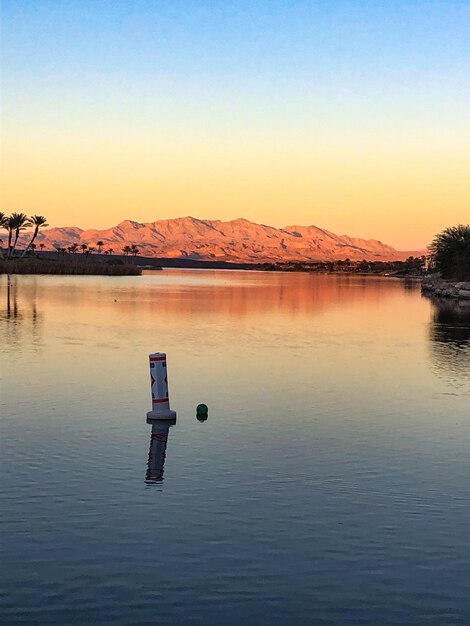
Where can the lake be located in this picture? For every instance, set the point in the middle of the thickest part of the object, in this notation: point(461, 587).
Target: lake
point(329, 484)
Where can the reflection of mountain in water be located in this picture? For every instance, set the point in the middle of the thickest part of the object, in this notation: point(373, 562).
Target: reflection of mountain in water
point(157, 452)
point(205, 292)
point(450, 339)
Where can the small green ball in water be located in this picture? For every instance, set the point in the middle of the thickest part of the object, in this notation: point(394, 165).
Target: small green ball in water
point(201, 409)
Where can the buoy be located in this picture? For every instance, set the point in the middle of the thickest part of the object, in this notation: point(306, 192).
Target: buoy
point(159, 386)
point(202, 412)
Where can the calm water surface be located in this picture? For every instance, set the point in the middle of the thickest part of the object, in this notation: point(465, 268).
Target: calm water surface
point(329, 485)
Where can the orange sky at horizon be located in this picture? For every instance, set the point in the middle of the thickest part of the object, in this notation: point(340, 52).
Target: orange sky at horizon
point(349, 116)
point(370, 193)
point(399, 204)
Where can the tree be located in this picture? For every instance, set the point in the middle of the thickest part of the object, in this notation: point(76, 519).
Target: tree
point(42, 246)
point(100, 244)
point(110, 251)
point(2, 225)
point(451, 251)
point(8, 224)
point(38, 221)
point(83, 247)
point(15, 224)
point(134, 250)
point(127, 250)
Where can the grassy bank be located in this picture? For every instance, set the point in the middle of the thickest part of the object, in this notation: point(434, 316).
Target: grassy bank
point(68, 266)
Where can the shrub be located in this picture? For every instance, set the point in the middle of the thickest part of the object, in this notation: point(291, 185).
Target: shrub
point(66, 266)
point(451, 251)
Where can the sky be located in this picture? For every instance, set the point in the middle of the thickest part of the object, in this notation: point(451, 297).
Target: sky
point(350, 115)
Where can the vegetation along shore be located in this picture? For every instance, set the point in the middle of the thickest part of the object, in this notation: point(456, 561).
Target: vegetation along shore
point(67, 266)
point(74, 259)
point(450, 264)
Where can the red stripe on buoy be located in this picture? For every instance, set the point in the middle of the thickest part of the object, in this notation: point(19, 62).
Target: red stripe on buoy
point(159, 399)
point(158, 358)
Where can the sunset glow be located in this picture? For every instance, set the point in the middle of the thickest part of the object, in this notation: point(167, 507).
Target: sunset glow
point(350, 116)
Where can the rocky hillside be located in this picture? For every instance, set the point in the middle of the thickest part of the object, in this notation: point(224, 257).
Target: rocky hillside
point(236, 240)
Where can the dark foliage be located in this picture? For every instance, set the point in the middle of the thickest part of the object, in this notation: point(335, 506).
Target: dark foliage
point(66, 266)
point(451, 251)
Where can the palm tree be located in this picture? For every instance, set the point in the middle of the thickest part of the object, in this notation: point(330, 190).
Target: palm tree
point(37, 221)
point(134, 249)
point(100, 244)
point(22, 222)
point(83, 247)
point(110, 251)
point(73, 248)
point(2, 225)
point(9, 224)
point(127, 250)
point(42, 246)
point(15, 224)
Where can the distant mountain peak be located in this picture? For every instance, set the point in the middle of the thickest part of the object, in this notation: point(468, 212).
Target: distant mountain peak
point(234, 240)
point(130, 223)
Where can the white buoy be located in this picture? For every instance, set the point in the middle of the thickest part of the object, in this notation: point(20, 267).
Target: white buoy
point(159, 384)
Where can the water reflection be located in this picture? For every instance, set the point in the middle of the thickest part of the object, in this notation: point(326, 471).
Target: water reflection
point(359, 497)
point(450, 339)
point(12, 299)
point(157, 451)
point(18, 315)
point(240, 294)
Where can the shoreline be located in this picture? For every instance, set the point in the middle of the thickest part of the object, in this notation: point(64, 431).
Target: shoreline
point(67, 267)
point(434, 285)
point(121, 265)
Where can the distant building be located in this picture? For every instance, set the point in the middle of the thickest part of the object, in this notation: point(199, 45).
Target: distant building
point(429, 263)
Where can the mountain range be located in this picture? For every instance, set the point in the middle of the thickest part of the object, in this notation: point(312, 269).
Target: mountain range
point(236, 240)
